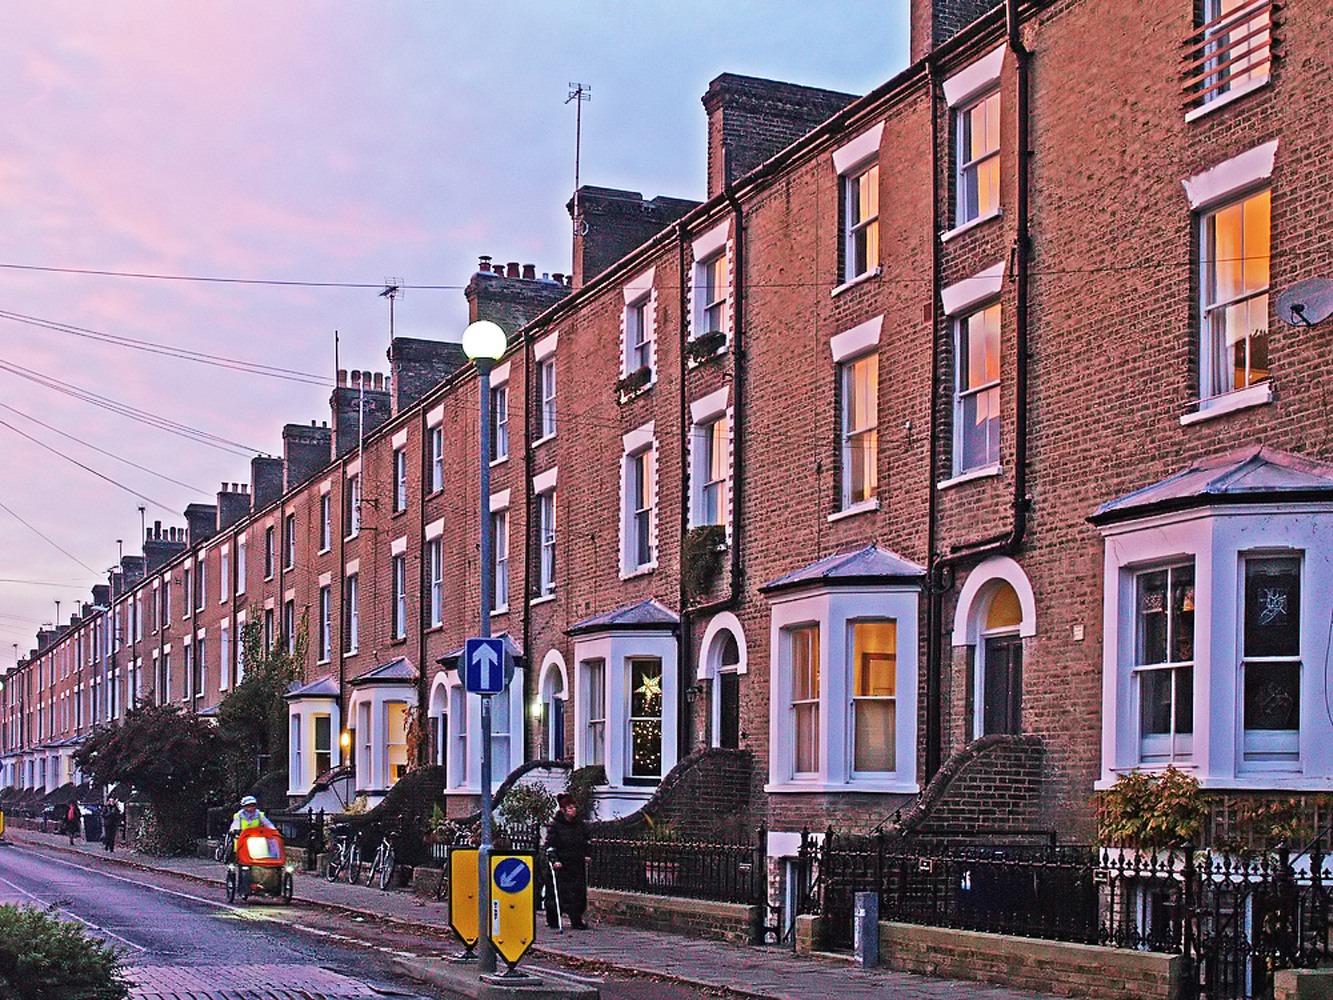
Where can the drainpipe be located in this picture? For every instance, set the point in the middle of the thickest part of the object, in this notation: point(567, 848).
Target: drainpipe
point(684, 714)
point(1010, 542)
point(529, 557)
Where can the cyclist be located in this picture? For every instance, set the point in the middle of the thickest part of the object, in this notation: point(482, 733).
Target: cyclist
point(249, 817)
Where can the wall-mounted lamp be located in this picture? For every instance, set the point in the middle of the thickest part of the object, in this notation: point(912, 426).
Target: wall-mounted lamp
point(345, 740)
point(692, 693)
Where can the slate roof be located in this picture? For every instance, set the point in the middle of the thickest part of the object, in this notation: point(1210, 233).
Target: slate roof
point(645, 616)
point(399, 670)
point(871, 565)
point(1255, 474)
point(323, 687)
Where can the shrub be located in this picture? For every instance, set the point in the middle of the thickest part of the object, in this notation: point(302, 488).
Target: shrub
point(45, 958)
point(1150, 811)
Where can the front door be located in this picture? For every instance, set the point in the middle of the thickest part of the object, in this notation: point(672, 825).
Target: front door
point(1002, 685)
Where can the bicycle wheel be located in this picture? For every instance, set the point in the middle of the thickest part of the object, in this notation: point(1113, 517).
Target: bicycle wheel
point(387, 865)
point(335, 865)
point(354, 866)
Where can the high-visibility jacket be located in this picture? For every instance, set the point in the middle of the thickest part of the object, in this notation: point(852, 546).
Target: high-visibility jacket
point(252, 822)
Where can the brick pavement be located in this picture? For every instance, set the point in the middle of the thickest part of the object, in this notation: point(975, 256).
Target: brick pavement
point(765, 972)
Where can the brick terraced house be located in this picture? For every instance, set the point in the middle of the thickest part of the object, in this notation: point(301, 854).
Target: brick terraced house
point(962, 451)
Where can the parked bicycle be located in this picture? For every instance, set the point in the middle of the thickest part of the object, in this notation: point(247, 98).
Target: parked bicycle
point(385, 863)
point(344, 855)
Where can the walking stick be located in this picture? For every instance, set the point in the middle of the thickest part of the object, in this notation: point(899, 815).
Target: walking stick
point(555, 894)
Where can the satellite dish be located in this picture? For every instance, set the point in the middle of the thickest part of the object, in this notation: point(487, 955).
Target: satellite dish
point(1307, 302)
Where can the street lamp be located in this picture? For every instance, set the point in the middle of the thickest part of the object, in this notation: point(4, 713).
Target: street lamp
point(484, 344)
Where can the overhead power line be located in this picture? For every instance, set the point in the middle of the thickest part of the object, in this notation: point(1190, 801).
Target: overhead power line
point(45, 538)
point(167, 350)
point(216, 279)
point(133, 412)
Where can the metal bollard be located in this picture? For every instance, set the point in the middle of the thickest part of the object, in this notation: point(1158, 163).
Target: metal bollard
point(865, 929)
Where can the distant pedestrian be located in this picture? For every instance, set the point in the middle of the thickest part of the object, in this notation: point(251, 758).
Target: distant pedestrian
point(72, 822)
point(110, 825)
point(567, 854)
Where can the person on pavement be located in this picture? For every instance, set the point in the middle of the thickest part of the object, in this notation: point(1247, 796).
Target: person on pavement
point(72, 821)
point(110, 824)
point(567, 853)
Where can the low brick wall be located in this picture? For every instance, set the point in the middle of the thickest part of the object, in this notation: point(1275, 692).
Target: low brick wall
point(735, 923)
point(1303, 984)
point(1075, 970)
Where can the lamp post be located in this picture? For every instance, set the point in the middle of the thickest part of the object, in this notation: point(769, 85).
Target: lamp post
point(484, 344)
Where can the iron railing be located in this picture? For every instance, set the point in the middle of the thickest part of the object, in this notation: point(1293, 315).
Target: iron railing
point(1232, 51)
point(1234, 919)
point(726, 873)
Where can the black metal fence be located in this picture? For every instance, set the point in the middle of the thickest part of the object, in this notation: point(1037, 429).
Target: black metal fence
point(1235, 919)
point(726, 873)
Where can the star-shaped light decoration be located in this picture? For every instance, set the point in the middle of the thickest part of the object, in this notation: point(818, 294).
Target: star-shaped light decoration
point(652, 687)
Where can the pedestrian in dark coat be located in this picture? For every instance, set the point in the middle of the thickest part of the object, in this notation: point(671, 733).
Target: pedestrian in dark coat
point(72, 821)
point(110, 825)
point(567, 853)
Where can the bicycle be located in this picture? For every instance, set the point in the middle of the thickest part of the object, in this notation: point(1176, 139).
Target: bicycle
point(384, 864)
point(344, 855)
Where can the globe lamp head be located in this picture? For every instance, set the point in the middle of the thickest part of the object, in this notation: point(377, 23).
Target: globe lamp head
point(484, 340)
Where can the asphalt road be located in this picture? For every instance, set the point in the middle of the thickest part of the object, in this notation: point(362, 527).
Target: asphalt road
point(181, 941)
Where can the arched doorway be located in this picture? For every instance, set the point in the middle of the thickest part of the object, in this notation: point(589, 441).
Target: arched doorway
point(996, 613)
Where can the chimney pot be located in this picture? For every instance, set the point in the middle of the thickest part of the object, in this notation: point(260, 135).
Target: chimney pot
point(484, 264)
point(511, 269)
point(379, 380)
point(530, 272)
point(356, 377)
point(342, 380)
point(558, 278)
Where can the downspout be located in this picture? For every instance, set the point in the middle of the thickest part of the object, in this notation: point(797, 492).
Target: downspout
point(1009, 543)
point(529, 557)
point(423, 587)
point(685, 681)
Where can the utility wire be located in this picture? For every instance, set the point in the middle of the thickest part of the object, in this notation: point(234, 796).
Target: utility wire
point(46, 539)
point(213, 279)
point(109, 454)
point(85, 468)
point(125, 410)
point(180, 353)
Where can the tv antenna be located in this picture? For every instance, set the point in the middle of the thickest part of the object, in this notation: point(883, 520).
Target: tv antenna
point(578, 93)
point(394, 288)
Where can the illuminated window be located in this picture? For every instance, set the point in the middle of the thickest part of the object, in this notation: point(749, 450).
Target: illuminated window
point(1234, 277)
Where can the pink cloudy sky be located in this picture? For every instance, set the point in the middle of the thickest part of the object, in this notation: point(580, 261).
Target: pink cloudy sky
point(306, 141)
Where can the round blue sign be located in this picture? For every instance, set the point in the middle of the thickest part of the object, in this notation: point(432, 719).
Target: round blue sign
point(512, 875)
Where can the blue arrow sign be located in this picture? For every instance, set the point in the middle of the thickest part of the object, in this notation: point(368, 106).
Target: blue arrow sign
point(484, 666)
point(512, 875)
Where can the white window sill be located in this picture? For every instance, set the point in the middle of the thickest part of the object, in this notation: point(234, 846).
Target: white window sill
point(350, 652)
point(544, 599)
point(970, 224)
point(1235, 94)
point(644, 570)
point(500, 461)
point(985, 472)
point(501, 610)
point(1240, 399)
point(543, 440)
point(864, 507)
point(883, 786)
point(874, 272)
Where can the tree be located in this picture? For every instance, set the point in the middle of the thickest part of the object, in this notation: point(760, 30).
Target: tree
point(43, 958)
point(173, 760)
point(253, 715)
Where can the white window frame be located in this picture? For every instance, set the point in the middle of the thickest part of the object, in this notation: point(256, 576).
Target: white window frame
point(1218, 540)
point(398, 597)
point(499, 430)
point(325, 521)
point(965, 90)
point(224, 579)
point(964, 463)
point(241, 549)
point(352, 505)
point(546, 396)
point(499, 526)
point(1216, 373)
point(1174, 746)
point(436, 458)
point(859, 440)
point(834, 611)
point(640, 446)
point(712, 259)
point(710, 459)
point(399, 480)
point(435, 567)
point(858, 228)
point(289, 540)
point(547, 527)
point(325, 651)
point(1252, 59)
point(351, 612)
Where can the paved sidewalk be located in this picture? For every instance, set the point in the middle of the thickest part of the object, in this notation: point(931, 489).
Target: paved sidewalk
point(764, 972)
